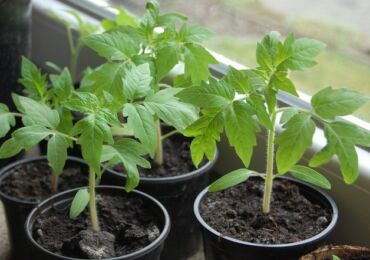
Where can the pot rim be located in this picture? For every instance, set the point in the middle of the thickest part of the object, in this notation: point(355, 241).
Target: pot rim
point(324, 232)
point(164, 233)
point(157, 180)
point(5, 171)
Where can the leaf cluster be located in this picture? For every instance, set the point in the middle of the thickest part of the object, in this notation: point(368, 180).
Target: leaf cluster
point(243, 101)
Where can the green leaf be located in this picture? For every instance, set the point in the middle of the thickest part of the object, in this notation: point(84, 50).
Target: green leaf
point(7, 120)
point(334, 257)
point(57, 153)
point(329, 103)
point(167, 57)
point(238, 79)
point(93, 132)
point(32, 78)
point(128, 152)
point(197, 60)
point(39, 112)
point(193, 33)
point(241, 130)
point(214, 94)
point(125, 18)
point(108, 77)
point(342, 138)
point(170, 109)
point(293, 141)
point(28, 136)
point(263, 57)
point(230, 179)
point(10, 148)
point(141, 121)
point(322, 156)
point(258, 103)
point(180, 81)
point(280, 81)
point(62, 84)
point(310, 176)
point(303, 52)
point(79, 203)
point(288, 114)
point(136, 82)
point(83, 102)
point(115, 46)
point(206, 131)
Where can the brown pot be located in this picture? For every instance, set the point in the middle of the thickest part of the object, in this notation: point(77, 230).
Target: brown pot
point(343, 252)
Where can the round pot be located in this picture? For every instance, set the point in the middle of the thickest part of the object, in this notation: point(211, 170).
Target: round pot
point(342, 251)
point(64, 199)
point(220, 247)
point(16, 210)
point(177, 194)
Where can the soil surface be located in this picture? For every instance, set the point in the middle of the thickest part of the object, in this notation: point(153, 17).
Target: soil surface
point(176, 159)
point(32, 181)
point(237, 213)
point(126, 224)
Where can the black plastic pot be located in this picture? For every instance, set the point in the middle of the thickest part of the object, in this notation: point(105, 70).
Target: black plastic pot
point(64, 199)
point(177, 194)
point(17, 210)
point(220, 247)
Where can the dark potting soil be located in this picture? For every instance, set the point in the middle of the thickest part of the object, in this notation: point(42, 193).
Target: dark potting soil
point(237, 213)
point(32, 181)
point(127, 225)
point(176, 159)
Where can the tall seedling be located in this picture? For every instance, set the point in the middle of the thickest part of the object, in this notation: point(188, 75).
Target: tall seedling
point(231, 103)
point(139, 56)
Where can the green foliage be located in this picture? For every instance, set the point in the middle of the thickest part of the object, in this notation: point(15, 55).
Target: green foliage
point(309, 175)
point(329, 103)
point(230, 104)
point(7, 120)
point(230, 179)
point(79, 203)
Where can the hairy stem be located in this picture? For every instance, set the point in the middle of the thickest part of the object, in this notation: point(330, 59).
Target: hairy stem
point(73, 62)
point(159, 153)
point(92, 202)
point(269, 167)
point(169, 134)
point(54, 183)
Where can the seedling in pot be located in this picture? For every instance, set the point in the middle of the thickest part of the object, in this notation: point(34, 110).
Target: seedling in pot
point(139, 56)
point(43, 114)
point(231, 103)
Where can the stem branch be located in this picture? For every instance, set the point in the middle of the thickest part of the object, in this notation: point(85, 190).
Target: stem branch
point(169, 134)
point(270, 167)
point(54, 183)
point(159, 153)
point(92, 203)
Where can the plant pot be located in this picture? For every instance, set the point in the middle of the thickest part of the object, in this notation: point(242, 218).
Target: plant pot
point(342, 251)
point(16, 210)
point(177, 194)
point(63, 200)
point(218, 246)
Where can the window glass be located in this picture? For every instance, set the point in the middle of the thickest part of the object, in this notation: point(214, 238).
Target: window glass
point(342, 24)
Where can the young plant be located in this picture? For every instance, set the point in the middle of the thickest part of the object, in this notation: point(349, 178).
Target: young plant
point(82, 29)
point(139, 56)
point(231, 103)
point(45, 101)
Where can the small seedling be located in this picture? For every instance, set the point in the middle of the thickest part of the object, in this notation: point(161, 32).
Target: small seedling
point(231, 104)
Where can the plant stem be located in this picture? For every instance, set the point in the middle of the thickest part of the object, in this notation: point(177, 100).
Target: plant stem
point(92, 203)
point(169, 134)
point(269, 167)
point(73, 61)
point(54, 183)
point(159, 153)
